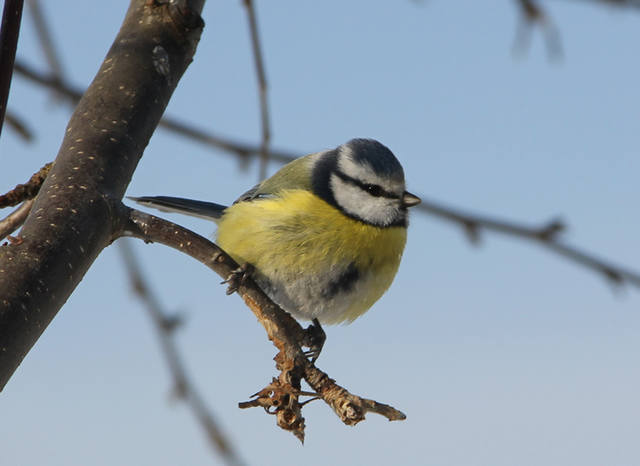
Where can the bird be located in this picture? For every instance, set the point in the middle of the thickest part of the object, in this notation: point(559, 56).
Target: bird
point(323, 236)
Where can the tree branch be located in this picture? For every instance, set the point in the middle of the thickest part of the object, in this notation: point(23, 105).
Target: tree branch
point(174, 125)
point(46, 39)
point(165, 327)
point(532, 14)
point(26, 191)
point(9, 31)
point(262, 88)
point(616, 3)
point(547, 236)
point(19, 126)
point(73, 216)
point(281, 396)
point(12, 222)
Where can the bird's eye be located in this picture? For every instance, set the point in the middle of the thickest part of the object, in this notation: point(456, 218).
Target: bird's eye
point(374, 189)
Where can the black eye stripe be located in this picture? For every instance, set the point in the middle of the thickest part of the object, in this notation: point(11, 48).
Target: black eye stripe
point(373, 189)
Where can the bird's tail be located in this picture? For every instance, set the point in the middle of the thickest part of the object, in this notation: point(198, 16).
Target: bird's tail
point(202, 209)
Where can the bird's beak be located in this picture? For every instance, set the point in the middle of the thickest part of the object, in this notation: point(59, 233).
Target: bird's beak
point(409, 200)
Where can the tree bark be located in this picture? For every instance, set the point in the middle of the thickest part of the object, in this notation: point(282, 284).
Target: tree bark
point(75, 213)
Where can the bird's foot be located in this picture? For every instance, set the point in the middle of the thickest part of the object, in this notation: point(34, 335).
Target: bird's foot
point(314, 338)
point(238, 277)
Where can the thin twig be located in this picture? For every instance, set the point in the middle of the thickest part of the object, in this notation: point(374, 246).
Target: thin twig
point(15, 219)
point(26, 191)
point(46, 39)
point(546, 235)
point(9, 31)
point(48, 80)
point(237, 148)
point(533, 14)
point(19, 126)
point(165, 327)
point(616, 3)
point(262, 87)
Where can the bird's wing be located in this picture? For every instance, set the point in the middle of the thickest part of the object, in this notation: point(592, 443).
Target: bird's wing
point(294, 175)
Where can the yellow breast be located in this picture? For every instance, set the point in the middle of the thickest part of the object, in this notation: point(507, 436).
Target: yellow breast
point(299, 245)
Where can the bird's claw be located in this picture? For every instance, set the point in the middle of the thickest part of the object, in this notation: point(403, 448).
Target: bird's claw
point(314, 338)
point(238, 277)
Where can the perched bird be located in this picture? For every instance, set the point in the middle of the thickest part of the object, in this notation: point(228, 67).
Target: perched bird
point(324, 235)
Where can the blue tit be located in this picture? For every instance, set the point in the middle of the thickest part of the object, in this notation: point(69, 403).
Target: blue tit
point(324, 234)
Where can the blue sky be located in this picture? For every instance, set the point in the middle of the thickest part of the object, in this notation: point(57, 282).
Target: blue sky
point(501, 354)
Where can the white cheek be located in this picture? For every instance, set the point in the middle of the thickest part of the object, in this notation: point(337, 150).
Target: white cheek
point(359, 203)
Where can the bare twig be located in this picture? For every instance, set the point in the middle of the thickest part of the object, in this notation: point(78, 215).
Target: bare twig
point(9, 31)
point(15, 219)
point(48, 80)
point(236, 148)
point(26, 191)
point(533, 14)
point(546, 235)
point(262, 88)
point(616, 3)
point(281, 396)
point(19, 126)
point(46, 39)
point(165, 326)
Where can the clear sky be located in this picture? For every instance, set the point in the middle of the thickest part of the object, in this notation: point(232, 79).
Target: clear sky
point(500, 355)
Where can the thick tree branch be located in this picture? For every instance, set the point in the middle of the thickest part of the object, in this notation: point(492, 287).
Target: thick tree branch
point(73, 217)
point(9, 31)
point(281, 396)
